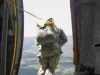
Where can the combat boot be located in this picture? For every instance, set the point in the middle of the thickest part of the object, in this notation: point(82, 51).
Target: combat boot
point(41, 71)
point(48, 72)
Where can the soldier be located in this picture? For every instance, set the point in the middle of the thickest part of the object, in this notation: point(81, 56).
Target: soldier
point(50, 51)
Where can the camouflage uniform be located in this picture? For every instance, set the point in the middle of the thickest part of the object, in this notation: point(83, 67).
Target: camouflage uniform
point(50, 54)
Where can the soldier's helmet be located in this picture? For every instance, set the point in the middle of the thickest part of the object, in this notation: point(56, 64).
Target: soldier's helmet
point(49, 21)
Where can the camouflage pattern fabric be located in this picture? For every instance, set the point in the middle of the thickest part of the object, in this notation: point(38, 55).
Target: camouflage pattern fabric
point(49, 64)
point(48, 58)
point(50, 52)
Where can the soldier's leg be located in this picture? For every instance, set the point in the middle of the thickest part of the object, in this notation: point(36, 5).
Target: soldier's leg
point(41, 70)
point(43, 61)
point(53, 61)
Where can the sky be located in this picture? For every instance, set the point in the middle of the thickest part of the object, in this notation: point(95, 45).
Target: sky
point(57, 9)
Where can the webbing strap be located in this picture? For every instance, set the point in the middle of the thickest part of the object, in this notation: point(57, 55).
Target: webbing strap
point(22, 9)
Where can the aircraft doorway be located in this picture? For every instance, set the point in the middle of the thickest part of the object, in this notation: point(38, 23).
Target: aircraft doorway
point(60, 11)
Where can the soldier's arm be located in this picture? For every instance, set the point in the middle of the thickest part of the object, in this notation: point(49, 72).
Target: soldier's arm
point(63, 38)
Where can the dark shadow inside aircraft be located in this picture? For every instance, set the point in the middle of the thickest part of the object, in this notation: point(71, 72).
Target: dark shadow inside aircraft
point(1, 18)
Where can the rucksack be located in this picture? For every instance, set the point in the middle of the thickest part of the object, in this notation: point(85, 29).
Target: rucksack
point(46, 34)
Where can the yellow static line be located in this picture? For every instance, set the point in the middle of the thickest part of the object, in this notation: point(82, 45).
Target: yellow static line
point(15, 40)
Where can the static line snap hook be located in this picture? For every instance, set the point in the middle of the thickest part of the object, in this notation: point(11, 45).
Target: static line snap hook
point(14, 17)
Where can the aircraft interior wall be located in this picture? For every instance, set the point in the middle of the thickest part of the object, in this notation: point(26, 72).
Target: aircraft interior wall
point(1, 4)
point(1, 19)
point(88, 24)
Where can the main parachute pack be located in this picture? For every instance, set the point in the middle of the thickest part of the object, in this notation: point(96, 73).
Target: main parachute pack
point(50, 34)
